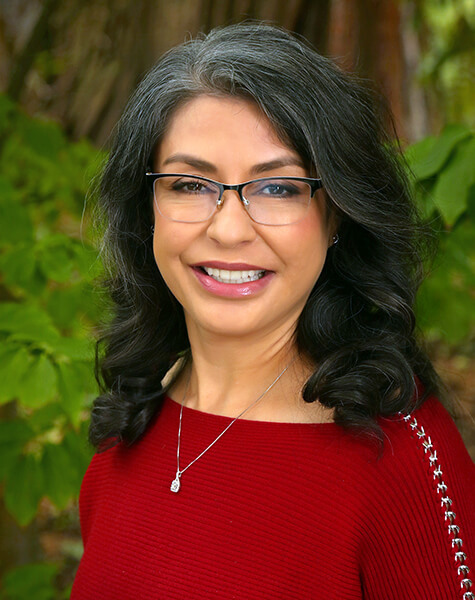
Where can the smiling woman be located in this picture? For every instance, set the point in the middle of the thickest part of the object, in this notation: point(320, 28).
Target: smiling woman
point(232, 140)
point(268, 425)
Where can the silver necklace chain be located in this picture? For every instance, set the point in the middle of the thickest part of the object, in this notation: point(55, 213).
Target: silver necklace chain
point(176, 484)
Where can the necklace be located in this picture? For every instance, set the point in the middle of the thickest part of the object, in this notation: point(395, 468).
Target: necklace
point(176, 484)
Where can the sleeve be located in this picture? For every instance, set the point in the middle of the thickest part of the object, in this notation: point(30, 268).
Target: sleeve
point(94, 487)
point(420, 518)
point(87, 500)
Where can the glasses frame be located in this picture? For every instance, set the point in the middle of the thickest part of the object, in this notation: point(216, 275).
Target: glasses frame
point(315, 184)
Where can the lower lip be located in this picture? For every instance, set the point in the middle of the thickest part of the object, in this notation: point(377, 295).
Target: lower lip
point(232, 290)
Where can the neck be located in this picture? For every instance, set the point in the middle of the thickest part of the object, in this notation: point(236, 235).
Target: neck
point(229, 374)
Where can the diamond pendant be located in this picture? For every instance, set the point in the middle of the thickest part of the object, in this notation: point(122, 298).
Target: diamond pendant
point(175, 486)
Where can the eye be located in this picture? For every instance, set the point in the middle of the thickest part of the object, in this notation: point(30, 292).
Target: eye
point(192, 186)
point(280, 189)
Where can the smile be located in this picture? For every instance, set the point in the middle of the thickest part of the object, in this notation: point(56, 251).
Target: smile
point(225, 276)
point(237, 283)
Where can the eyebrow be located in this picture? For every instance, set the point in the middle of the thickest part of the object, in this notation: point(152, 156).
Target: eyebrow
point(192, 161)
point(204, 165)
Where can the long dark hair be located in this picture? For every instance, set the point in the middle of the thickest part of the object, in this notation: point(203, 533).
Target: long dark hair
point(358, 323)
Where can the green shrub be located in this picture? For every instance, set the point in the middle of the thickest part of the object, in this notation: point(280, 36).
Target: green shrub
point(48, 306)
point(443, 171)
point(47, 310)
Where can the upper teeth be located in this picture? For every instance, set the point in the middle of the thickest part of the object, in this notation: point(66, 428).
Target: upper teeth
point(233, 276)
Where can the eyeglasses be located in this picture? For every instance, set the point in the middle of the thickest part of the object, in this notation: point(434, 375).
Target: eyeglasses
point(268, 201)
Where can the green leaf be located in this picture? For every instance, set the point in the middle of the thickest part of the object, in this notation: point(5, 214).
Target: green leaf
point(60, 476)
point(55, 258)
point(8, 458)
point(15, 431)
point(14, 364)
point(46, 418)
point(416, 154)
point(428, 156)
point(80, 450)
point(452, 188)
point(45, 138)
point(33, 581)
point(18, 265)
point(7, 111)
point(14, 434)
point(65, 303)
point(445, 304)
point(74, 384)
point(70, 348)
point(39, 385)
point(422, 192)
point(23, 488)
point(438, 315)
point(26, 322)
point(15, 222)
point(471, 203)
point(88, 261)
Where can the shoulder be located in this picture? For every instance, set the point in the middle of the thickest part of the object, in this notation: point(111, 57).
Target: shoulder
point(427, 449)
point(424, 463)
point(412, 444)
point(427, 441)
point(424, 453)
point(420, 502)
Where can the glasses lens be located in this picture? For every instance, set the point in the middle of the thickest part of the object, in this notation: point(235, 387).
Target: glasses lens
point(279, 201)
point(185, 198)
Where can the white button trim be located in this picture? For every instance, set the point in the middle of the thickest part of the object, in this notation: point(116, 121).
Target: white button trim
point(445, 501)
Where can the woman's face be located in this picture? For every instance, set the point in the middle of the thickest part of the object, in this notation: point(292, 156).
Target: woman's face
point(231, 141)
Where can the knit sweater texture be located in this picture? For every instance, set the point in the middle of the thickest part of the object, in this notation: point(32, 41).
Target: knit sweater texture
point(280, 511)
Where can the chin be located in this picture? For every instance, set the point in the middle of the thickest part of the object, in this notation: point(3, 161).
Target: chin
point(231, 325)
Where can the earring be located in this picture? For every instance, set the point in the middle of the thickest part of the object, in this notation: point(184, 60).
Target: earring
point(335, 239)
point(152, 228)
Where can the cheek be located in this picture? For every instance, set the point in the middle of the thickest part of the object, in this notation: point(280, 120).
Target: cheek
point(165, 255)
point(166, 246)
point(309, 244)
point(170, 242)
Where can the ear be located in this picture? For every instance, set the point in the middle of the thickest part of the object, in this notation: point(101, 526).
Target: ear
point(333, 221)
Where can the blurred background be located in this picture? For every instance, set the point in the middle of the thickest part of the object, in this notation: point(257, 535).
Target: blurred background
point(66, 71)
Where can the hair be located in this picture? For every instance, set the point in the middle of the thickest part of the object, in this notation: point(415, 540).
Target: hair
point(358, 323)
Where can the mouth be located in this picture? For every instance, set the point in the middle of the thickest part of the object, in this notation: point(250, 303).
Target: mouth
point(233, 277)
point(242, 281)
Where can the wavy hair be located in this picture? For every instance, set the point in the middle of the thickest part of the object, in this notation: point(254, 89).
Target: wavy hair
point(358, 323)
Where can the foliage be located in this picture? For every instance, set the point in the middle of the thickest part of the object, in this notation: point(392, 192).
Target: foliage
point(46, 312)
point(48, 306)
point(30, 581)
point(447, 31)
point(443, 171)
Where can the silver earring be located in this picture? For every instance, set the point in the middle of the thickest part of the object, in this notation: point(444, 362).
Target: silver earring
point(335, 239)
point(152, 228)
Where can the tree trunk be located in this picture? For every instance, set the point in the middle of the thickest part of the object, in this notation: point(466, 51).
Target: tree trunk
point(101, 48)
point(34, 45)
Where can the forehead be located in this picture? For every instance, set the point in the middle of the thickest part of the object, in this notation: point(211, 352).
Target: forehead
point(221, 129)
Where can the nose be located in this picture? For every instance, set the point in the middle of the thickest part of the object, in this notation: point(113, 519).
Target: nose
point(231, 225)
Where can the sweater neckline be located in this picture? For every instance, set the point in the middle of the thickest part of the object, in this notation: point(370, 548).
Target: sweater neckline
point(202, 415)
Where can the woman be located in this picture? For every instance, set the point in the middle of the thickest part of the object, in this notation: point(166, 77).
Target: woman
point(268, 425)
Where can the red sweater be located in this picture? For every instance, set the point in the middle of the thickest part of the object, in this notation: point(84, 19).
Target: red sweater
point(280, 510)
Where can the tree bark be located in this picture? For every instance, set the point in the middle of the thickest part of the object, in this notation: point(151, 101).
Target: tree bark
point(36, 42)
point(103, 47)
point(365, 37)
point(416, 109)
point(343, 33)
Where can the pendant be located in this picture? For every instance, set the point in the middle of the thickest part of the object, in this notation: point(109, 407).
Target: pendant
point(175, 486)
